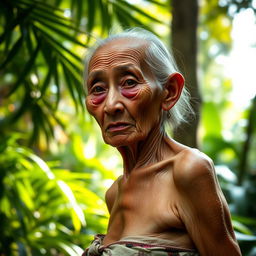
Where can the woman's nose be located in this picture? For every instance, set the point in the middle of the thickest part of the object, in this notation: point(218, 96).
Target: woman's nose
point(113, 103)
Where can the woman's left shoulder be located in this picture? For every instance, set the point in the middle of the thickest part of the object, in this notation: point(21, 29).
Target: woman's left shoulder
point(192, 166)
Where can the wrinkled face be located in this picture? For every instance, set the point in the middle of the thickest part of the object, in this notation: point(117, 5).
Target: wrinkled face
point(122, 94)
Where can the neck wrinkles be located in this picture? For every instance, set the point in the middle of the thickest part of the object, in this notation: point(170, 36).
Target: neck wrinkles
point(144, 152)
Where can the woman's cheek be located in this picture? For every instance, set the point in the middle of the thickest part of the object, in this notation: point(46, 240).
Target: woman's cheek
point(129, 92)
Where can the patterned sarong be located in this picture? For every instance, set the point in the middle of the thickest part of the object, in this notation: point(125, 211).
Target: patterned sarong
point(136, 246)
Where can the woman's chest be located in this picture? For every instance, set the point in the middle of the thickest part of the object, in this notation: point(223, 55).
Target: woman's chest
point(148, 198)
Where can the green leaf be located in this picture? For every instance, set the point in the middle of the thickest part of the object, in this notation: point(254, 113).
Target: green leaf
point(79, 11)
point(244, 237)
point(40, 123)
point(36, 115)
point(241, 227)
point(105, 16)
point(27, 68)
point(28, 38)
point(245, 220)
point(24, 195)
point(76, 212)
point(49, 127)
point(43, 165)
point(71, 250)
point(41, 5)
point(91, 12)
point(126, 19)
point(211, 118)
point(54, 43)
point(54, 19)
point(52, 112)
point(13, 52)
point(69, 84)
point(123, 20)
point(72, 176)
point(57, 82)
point(11, 24)
point(47, 80)
point(213, 145)
point(68, 37)
point(77, 86)
point(133, 7)
point(165, 4)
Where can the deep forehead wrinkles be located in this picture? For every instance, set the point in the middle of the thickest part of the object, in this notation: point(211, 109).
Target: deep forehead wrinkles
point(108, 59)
point(118, 52)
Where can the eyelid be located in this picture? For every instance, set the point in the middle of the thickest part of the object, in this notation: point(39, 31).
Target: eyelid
point(130, 77)
point(130, 73)
point(124, 82)
point(92, 88)
point(94, 81)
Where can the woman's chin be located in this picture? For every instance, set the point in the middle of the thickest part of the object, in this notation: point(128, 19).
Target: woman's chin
point(121, 140)
point(117, 143)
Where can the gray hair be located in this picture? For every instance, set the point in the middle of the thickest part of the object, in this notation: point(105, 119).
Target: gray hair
point(162, 65)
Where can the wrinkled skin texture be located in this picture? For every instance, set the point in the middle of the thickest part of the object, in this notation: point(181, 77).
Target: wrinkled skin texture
point(167, 190)
point(120, 96)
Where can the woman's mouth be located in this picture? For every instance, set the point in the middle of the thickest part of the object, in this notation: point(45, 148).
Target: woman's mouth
point(118, 126)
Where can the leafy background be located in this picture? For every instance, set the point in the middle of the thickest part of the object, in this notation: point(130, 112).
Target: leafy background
point(54, 168)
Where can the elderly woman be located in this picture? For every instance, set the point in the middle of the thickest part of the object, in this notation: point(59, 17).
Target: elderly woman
point(168, 200)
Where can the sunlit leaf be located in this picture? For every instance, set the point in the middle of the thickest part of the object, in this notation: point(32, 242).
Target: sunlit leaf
point(28, 201)
point(60, 32)
point(79, 215)
point(71, 250)
point(245, 220)
point(133, 7)
point(244, 237)
point(241, 227)
point(43, 166)
point(126, 19)
point(211, 118)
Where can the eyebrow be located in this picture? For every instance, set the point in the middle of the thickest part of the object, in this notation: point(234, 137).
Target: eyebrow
point(129, 69)
point(125, 68)
point(96, 75)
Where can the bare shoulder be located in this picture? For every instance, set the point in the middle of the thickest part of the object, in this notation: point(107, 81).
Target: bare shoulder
point(191, 166)
point(111, 194)
point(201, 204)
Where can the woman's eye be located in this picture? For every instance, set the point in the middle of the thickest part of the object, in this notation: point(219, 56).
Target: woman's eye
point(130, 82)
point(97, 89)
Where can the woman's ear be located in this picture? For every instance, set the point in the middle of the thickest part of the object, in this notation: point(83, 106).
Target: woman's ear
point(172, 90)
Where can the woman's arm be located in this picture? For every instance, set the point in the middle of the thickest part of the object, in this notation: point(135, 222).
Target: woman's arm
point(202, 206)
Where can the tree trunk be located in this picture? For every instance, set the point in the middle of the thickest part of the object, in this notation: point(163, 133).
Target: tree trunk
point(184, 45)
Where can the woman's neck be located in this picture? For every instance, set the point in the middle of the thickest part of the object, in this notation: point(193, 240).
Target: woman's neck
point(146, 152)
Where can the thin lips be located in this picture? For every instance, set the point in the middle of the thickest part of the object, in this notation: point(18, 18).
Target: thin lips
point(116, 124)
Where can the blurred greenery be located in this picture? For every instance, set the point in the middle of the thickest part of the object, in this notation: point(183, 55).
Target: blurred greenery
point(54, 168)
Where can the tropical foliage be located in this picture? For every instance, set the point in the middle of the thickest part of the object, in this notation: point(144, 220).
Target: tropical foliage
point(53, 172)
point(41, 56)
point(53, 207)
